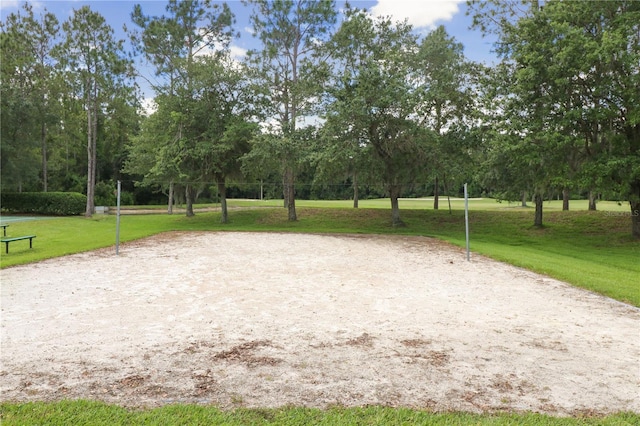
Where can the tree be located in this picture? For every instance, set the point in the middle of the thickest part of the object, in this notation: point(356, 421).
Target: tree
point(291, 33)
point(150, 154)
point(224, 108)
point(261, 162)
point(445, 79)
point(375, 100)
point(95, 64)
point(344, 150)
point(524, 151)
point(602, 90)
point(29, 92)
point(173, 45)
point(340, 155)
point(575, 74)
point(171, 42)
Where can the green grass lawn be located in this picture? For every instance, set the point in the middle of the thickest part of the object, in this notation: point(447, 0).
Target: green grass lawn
point(409, 204)
point(592, 250)
point(95, 413)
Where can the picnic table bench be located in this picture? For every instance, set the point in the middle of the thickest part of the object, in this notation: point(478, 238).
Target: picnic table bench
point(24, 237)
point(4, 229)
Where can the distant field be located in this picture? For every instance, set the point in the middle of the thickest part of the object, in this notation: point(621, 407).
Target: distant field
point(411, 204)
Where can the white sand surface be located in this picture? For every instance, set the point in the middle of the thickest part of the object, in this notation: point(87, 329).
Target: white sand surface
point(274, 319)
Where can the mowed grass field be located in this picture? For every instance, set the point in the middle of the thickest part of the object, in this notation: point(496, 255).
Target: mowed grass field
point(592, 250)
point(414, 204)
point(99, 414)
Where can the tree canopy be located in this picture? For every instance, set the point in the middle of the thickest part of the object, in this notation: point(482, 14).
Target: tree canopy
point(331, 99)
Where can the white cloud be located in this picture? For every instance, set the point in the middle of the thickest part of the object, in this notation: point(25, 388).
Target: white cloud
point(419, 13)
point(238, 52)
point(310, 120)
point(9, 4)
point(148, 106)
point(5, 5)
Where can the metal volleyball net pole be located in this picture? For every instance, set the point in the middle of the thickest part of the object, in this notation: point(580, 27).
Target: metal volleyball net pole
point(466, 218)
point(118, 221)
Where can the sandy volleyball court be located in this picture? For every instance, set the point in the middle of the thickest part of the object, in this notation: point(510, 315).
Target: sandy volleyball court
point(272, 319)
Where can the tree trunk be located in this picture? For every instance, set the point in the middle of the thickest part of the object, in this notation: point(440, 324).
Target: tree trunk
point(170, 205)
point(261, 190)
point(355, 190)
point(592, 201)
point(524, 198)
point(565, 199)
point(291, 195)
point(89, 208)
point(436, 194)
point(394, 193)
point(91, 158)
point(189, 193)
point(285, 190)
point(538, 214)
point(635, 218)
point(43, 144)
point(94, 160)
point(446, 189)
point(222, 190)
point(634, 202)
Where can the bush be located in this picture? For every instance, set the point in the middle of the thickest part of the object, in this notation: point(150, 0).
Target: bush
point(126, 199)
point(49, 203)
point(105, 194)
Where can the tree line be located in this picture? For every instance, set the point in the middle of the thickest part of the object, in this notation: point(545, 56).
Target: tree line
point(331, 98)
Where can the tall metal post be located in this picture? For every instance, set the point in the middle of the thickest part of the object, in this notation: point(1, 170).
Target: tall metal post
point(466, 217)
point(118, 222)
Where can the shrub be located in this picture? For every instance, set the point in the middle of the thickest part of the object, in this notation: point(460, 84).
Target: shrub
point(126, 199)
point(49, 203)
point(105, 195)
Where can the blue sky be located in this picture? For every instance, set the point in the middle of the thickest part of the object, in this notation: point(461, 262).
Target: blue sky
point(422, 14)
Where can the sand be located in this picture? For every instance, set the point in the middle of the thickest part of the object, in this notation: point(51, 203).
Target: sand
point(275, 319)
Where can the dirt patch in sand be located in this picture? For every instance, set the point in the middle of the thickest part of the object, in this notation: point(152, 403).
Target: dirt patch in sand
point(272, 319)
